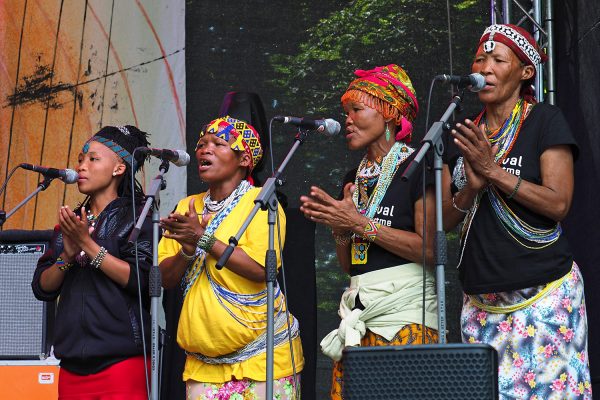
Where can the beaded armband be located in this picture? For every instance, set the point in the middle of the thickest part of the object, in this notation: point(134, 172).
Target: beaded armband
point(206, 242)
point(97, 261)
point(62, 264)
point(370, 230)
point(516, 189)
point(462, 210)
point(342, 239)
point(186, 256)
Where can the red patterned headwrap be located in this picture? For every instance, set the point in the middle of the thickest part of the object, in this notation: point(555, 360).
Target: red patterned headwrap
point(520, 42)
point(388, 90)
point(517, 39)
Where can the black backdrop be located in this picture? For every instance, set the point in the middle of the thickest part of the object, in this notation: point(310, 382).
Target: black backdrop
point(578, 86)
point(228, 48)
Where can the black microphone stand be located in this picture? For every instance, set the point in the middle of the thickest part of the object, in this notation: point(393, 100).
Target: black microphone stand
point(433, 138)
point(152, 198)
point(43, 185)
point(267, 200)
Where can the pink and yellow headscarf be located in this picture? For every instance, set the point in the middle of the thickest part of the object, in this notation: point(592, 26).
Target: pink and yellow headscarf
point(388, 90)
point(246, 137)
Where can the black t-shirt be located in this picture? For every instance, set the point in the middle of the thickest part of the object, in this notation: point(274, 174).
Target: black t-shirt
point(396, 210)
point(493, 261)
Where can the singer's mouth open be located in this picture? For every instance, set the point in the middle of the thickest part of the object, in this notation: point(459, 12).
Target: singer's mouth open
point(204, 164)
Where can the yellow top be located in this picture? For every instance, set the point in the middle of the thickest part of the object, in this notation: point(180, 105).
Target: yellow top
point(205, 326)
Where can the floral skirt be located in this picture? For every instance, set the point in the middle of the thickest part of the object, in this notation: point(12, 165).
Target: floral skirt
point(542, 347)
point(245, 389)
point(409, 334)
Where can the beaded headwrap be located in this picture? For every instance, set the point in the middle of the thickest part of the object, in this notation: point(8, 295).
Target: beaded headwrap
point(388, 90)
point(246, 137)
point(517, 39)
point(521, 43)
point(122, 140)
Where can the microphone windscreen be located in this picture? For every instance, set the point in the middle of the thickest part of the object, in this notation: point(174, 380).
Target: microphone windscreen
point(332, 127)
point(70, 176)
point(183, 159)
point(477, 82)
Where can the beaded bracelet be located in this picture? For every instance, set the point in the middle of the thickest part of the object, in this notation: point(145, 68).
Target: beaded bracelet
point(97, 261)
point(462, 210)
point(206, 242)
point(510, 196)
point(370, 230)
point(62, 264)
point(342, 239)
point(185, 256)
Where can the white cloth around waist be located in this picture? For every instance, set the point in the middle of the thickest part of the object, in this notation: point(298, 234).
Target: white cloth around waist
point(392, 297)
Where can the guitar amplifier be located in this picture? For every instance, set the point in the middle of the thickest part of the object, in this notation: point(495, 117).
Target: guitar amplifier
point(24, 321)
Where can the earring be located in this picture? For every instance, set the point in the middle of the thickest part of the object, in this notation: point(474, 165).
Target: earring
point(114, 173)
point(387, 132)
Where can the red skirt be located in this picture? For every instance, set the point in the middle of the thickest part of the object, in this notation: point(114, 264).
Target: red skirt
point(125, 380)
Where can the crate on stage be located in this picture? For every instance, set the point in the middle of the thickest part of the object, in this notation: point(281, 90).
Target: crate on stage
point(29, 379)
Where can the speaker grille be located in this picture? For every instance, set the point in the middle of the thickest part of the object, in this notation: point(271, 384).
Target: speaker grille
point(21, 314)
point(454, 371)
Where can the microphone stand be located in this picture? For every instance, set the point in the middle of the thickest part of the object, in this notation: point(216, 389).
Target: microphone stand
point(157, 184)
point(267, 200)
point(433, 138)
point(43, 185)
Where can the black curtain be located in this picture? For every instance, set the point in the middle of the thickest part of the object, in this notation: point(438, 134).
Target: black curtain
point(578, 85)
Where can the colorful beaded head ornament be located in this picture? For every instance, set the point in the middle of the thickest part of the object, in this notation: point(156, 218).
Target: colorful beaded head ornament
point(122, 140)
point(521, 43)
point(517, 39)
point(246, 137)
point(388, 90)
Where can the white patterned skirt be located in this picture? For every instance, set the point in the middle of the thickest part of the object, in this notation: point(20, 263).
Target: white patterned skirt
point(540, 334)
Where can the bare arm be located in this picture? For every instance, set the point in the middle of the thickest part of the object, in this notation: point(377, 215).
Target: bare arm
point(341, 216)
point(186, 229)
point(551, 199)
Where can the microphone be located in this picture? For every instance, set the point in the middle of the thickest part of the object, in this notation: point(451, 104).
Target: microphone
point(178, 157)
point(329, 127)
point(475, 82)
point(66, 175)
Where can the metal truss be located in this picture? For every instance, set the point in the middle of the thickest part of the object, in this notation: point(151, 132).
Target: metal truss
point(538, 18)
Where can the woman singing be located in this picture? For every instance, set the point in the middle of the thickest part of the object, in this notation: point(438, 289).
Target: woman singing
point(100, 326)
point(513, 185)
point(378, 223)
point(223, 320)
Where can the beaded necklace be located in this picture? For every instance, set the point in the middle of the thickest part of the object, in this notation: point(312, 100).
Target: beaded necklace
point(92, 219)
point(367, 204)
point(194, 270)
point(367, 176)
point(505, 137)
point(214, 206)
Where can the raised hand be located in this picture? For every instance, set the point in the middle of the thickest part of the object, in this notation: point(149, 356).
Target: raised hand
point(474, 180)
point(184, 228)
point(340, 215)
point(476, 149)
point(74, 228)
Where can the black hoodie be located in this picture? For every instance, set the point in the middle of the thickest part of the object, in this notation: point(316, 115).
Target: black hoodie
point(97, 321)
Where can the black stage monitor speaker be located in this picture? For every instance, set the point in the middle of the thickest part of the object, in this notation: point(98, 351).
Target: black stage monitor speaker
point(428, 372)
point(24, 321)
